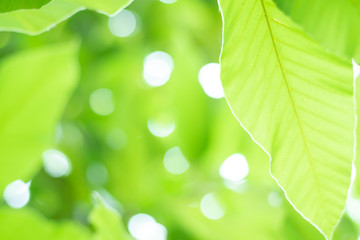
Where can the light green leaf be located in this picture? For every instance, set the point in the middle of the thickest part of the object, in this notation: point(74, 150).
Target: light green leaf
point(36, 21)
point(25, 223)
point(107, 222)
point(12, 5)
point(334, 23)
point(35, 86)
point(295, 100)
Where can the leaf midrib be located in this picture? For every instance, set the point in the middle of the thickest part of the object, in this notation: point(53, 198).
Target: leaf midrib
point(317, 183)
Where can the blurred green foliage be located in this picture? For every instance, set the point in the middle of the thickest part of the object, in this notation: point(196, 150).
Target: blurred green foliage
point(117, 156)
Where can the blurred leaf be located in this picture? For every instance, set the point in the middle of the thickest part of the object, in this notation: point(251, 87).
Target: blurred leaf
point(36, 21)
point(11, 5)
point(28, 224)
point(334, 23)
point(34, 88)
point(107, 222)
point(296, 101)
point(346, 230)
point(256, 223)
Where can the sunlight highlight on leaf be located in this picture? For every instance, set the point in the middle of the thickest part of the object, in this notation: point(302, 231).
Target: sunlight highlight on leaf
point(122, 24)
point(56, 163)
point(235, 168)
point(168, 1)
point(353, 209)
point(158, 67)
point(144, 227)
point(160, 129)
point(211, 208)
point(17, 194)
point(175, 161)
point(209, 78)
point(101, 102)
point(274, 199)
point(356, 69)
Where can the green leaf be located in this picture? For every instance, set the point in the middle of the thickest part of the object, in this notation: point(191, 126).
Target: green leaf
point(36, 21)
point(35, 86)
point(295, 100)
point(25, 223)
point(12, 5)
point(107, 222)
point(334, 23)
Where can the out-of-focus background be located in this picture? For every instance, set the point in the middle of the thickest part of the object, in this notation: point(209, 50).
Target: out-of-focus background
point(149, 130)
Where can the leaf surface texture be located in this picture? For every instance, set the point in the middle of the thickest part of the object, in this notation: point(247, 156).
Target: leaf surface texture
point(334, 23)
point(295, 100)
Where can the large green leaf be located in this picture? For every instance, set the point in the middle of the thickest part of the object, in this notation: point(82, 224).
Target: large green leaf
point(11, 5)
point(334, 23)
point(35, 86)
point(36, 21)
point(295, 100)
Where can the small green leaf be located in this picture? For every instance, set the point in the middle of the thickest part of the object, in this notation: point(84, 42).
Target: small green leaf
point(334, 23)
point(12, 5)
point(107, 222)
point(295, 100)
point(36, 21)
point(35, 86)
